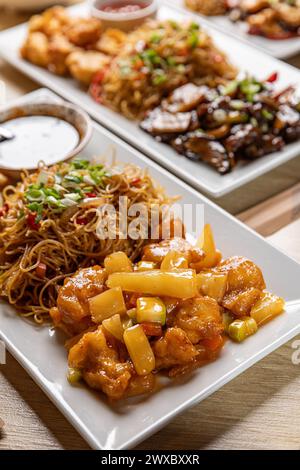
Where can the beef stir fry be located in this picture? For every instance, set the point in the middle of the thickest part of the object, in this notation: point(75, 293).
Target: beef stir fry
point(245, 119)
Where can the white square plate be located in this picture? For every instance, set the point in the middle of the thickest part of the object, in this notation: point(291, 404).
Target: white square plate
point(40, 350)
point(281, 49)
point(197, 174)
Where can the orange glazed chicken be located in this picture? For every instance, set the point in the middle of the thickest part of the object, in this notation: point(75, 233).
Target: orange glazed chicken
point(170, 312)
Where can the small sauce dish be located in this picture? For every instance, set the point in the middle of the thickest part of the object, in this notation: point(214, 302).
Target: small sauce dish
point(123, 14)
point(43, 132)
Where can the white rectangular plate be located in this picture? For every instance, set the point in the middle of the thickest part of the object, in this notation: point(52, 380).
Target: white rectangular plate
point(40, 350)
point(281, 49)
point(197, 174)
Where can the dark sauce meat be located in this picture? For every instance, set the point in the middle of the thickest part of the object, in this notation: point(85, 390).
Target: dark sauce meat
point(245, 119)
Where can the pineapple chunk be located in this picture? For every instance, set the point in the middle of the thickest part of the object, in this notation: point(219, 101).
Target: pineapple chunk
point(114, 326)
point(107, 304)
point(180, 284)
point(240, 303)
point(207, 243)
point(174, 260)
point(268, 307)
point(212, 284)
point(117, 262)
point(139, 350)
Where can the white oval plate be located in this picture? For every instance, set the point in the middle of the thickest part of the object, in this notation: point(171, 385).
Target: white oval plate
point(41, 351)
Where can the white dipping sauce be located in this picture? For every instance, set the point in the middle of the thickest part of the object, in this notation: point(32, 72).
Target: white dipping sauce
point(37, 138)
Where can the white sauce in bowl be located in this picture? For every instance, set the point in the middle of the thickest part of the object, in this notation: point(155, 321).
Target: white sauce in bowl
point(37, 138)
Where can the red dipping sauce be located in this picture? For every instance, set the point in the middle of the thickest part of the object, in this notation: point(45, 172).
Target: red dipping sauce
point(123, 7)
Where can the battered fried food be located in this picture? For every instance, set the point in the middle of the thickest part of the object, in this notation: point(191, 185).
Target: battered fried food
point(84, 64)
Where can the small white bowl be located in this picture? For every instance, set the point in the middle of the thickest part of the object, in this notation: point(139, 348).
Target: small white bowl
point(75, 117)
point(123, 21)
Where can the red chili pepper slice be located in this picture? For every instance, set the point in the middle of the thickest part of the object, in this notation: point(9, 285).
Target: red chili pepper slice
point(91, 194)
point(96, 85)
point(31, 221)
point(4, 209)
point(81, 220)
point(272, 78)
point(135, 182)
point(41, 270)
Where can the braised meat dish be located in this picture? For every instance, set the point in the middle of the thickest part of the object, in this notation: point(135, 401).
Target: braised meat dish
point(243, 120)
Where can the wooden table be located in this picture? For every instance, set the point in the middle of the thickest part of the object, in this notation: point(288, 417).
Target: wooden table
point(259, 409)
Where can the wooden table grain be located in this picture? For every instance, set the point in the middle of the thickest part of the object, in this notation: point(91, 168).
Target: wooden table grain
point(257, 410)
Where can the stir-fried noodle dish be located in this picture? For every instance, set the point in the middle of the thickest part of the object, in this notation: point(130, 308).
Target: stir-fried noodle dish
point(48, 227)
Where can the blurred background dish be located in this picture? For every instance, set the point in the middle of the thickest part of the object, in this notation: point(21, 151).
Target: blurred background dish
point(34, 5)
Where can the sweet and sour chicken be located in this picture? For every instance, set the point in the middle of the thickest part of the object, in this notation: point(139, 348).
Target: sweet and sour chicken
point(170, 313)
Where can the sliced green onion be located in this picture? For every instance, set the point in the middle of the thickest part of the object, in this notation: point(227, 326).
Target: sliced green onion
point(35, 195)
point(68, 202)
point(43, 178)
point(73, 196)
point(159, 77)
point(230, 88)
point(80, 164)
point(237, 104)
point(193, 40)
point(73, 179)
point(156, 38)
point(254, 122)
point(267, 115)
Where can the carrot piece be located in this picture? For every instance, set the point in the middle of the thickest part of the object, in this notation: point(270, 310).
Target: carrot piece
point(151, 329)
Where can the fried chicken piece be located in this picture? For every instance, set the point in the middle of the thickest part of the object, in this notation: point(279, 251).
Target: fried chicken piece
point(240, 303)
point(208, 7)
point(84, 32)
point(245, 284)
point(265, 22)
point(253, 6)
point(51, 22)
point(288, 14)
point(199, 318)
point(111, 41)
point(102, 368)
point(157, 251)
point(242, 274)
point(173, 349)
point(84, 64)
point(59, 50)
point(73, 313)
point(36, 49)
